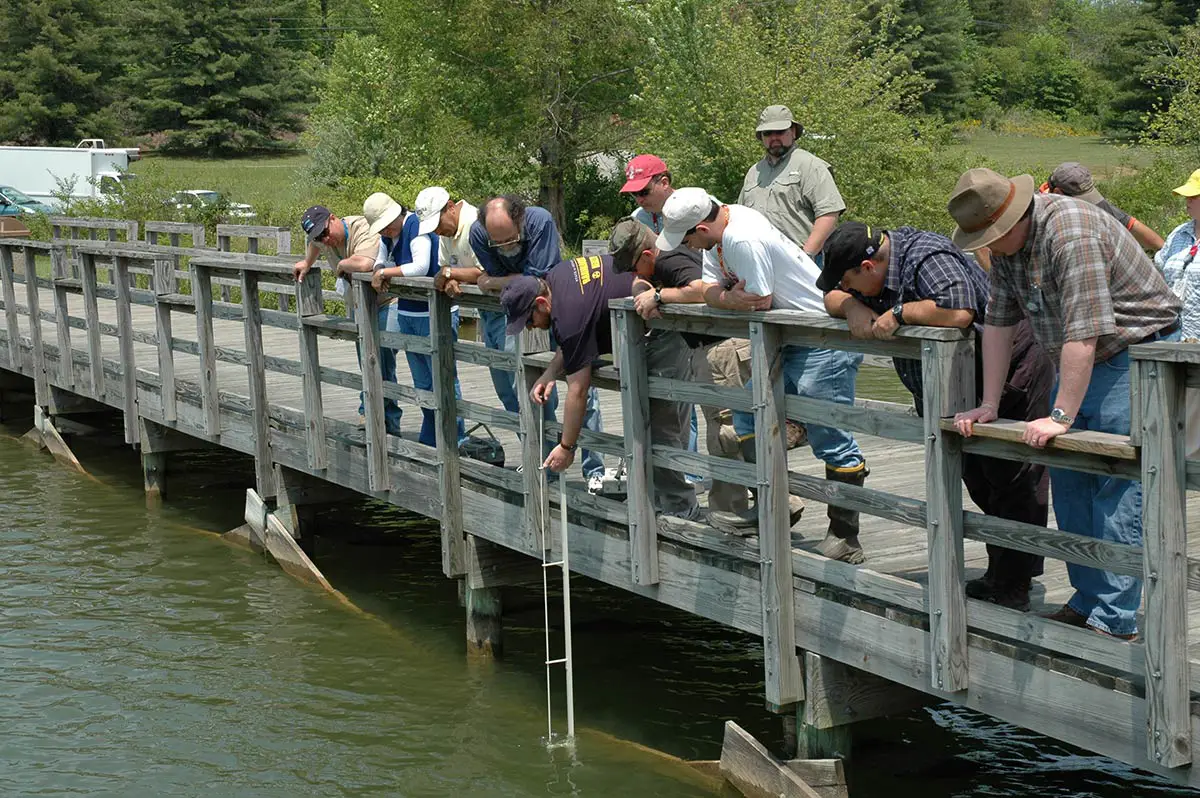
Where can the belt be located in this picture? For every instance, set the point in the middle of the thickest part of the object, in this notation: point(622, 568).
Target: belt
point(1170, 329)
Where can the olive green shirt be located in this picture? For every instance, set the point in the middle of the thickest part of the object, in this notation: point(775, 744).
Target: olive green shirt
point(793, 193)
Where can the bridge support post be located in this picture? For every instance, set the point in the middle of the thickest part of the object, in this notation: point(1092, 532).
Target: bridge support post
point(490, 567)
point(156, 442)
point(297, 496)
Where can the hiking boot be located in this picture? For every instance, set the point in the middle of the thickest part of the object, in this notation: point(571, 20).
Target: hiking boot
point(1070, 617)
point(1013, 596)
point(841, 540)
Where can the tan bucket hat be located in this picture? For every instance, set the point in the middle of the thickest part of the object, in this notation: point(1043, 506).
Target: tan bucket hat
point(381, 210)
point(986, 205)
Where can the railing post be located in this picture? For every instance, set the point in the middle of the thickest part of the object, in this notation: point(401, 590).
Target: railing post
point(165, 283)
point(225, 244)
point(784, 684)
point(62, 320)
point(537, 507)
point(948, 376)
point(209, 396)
point(311, 302)
point(366, 312)
point(11, 319)
point(256, 371)
point(40, 382)
point(125, 338)
point(442, 338)
point(91, 314)
point(630, 343)
point(1164, 557)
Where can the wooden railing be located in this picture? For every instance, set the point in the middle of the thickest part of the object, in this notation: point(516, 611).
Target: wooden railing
point(1153, 453)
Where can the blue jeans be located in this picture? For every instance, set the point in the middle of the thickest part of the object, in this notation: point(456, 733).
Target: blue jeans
point(505, 383)
point(1104, 508)
point(421, 367)
point(819, 374)
point(387, 365)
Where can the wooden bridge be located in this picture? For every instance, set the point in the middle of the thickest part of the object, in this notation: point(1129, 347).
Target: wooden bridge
point(183, 341)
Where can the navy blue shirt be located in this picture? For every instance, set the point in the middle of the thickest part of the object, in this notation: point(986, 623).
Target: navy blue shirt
point(539, 251)
point(925, 265)
point(400, 252)
point(579, 293)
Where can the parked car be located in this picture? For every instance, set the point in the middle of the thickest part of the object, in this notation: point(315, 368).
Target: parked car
point(196, 199)
point(17, 203)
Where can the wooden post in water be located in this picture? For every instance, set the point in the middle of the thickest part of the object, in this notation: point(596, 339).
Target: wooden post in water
point(635, 407)
point(1164, 529)
point(948, 375)
point(483, 601)
point(784, 685)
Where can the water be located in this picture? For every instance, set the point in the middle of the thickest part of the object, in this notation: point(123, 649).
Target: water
point(142, 656)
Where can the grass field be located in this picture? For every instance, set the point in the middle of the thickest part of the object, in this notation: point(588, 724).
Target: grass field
point(1039, 156)
point(267, 183)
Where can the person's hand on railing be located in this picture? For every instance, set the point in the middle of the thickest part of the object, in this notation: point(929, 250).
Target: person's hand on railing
point(646, 305)
point(1041, 431)
point(380, 281)
point(300, 269)
point(860, 319)
point(965, 422)
point(885, 326)
point(738, 298)
point(452, 289)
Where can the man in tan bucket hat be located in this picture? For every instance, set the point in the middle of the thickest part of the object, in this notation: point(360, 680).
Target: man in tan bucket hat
point(1089, 292)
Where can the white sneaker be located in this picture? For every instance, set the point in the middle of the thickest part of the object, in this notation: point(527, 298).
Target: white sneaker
point(595, 483)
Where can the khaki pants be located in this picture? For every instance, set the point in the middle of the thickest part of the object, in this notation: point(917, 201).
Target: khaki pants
point(726, 364)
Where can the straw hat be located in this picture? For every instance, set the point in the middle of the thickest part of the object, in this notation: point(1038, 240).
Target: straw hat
point(381, 210)
point(986, 205)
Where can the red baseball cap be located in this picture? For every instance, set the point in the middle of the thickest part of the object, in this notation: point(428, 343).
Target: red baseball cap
point(640, 171)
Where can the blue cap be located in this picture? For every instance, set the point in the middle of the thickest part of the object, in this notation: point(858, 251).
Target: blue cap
point(314, 221)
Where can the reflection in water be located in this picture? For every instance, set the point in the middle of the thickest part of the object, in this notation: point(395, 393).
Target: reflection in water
point(138, 658)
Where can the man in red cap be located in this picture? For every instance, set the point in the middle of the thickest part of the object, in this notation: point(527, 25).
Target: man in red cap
point(649, 181)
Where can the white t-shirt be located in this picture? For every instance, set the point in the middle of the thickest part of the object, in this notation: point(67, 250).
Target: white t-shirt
point(752, 249)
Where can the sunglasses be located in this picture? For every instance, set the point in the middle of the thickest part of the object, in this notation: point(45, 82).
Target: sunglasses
point(645, 192)
point(324, 235)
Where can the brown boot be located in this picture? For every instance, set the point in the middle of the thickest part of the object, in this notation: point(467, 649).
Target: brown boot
point(746, 521)
point(841, 540)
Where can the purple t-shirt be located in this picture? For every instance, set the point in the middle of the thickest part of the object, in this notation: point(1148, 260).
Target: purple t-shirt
point(580, 290)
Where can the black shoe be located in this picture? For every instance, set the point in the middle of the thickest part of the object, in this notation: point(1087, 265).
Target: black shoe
point(1015, 597)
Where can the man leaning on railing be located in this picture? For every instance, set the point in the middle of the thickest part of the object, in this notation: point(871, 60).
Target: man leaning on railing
point(879, 280)
point(1089, 292)
point(750, 266)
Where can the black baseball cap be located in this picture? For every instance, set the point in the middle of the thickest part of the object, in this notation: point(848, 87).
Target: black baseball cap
point(847, 247)
point(517, 300)
point(314, 221)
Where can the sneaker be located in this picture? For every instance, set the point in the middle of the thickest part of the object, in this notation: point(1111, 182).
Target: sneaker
point(362, 420)
point(595, 484)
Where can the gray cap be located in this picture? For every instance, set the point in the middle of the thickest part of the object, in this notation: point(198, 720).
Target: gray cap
point(625, 243)
point(774, 117)
point(1074, 180)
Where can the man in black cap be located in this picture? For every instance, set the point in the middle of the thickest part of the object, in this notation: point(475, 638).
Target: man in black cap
point(878, 280)
point(572, 301)
point(348, 245)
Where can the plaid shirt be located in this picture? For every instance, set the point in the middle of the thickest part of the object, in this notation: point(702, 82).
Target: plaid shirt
point(1080, 275)
point(922, 266)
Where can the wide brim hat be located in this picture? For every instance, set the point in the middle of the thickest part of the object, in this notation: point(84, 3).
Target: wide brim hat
point(986, 205)
point(380, 211)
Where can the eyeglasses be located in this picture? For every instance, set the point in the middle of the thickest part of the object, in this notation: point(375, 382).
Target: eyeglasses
point(510, 244)
point(645, 192)
point(324, 235)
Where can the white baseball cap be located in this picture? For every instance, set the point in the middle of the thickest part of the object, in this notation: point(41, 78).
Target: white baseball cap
point(683, 210)
point(430, 203)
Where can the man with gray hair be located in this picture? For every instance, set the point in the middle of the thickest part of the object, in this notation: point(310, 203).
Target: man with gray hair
point(790, 186)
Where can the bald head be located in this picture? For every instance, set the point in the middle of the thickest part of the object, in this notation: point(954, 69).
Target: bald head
point(503, 217)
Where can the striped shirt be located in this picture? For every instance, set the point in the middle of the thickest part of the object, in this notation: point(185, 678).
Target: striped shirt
point(1080, 275)
point(925, 265)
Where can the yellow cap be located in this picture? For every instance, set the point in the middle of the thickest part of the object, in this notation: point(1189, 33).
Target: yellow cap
point(1192, 187)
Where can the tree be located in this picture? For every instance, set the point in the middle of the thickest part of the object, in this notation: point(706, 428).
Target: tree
point(55, 85)
point(1177, 121)
point(216, 76)
point(935, 36)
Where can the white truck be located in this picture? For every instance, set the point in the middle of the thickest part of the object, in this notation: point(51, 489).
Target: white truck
point(88, 170)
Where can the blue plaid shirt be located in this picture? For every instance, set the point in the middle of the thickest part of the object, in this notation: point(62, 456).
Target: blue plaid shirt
point(1179, 263)
point(925, 265)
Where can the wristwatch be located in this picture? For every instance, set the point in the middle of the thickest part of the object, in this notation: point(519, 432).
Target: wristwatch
point(570, 448)
point(445, 272)
point(898, 312)
point(657, 296)
point(1059, 417)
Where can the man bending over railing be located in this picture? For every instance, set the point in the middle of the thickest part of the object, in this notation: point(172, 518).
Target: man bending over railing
point(879, 280)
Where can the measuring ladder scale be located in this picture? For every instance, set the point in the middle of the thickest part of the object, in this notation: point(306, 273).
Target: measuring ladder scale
point(566, 660)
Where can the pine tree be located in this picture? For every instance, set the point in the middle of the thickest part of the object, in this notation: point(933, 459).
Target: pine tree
point(218, 76)
point(55, 86)
point(935, 37)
